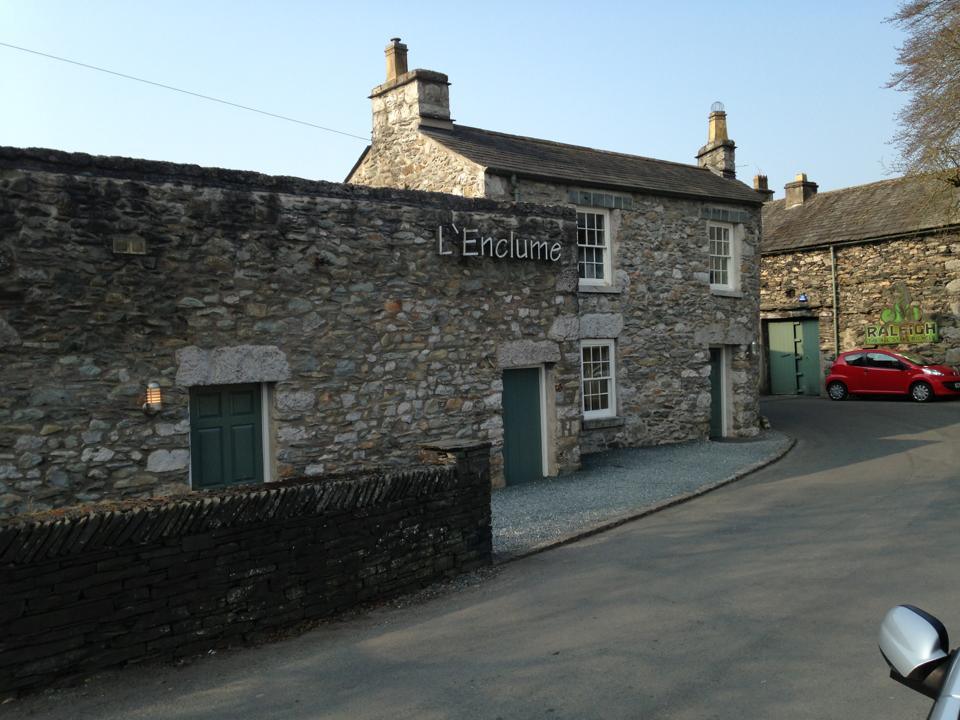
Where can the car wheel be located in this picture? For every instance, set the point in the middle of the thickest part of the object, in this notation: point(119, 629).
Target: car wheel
point(837, 390)
point(921, 392)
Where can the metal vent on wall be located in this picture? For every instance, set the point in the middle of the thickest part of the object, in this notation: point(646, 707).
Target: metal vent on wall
point(725, 215)
point(598, 199)
point(129, 246)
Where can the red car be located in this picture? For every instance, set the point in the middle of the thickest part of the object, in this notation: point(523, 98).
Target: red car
point(882, 372)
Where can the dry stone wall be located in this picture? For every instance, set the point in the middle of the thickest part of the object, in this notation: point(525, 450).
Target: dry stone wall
point(333, 297)
point(869, 278)
point(159, 580)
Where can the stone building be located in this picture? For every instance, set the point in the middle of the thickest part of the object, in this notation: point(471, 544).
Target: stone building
point(871, 265)
point(291, 328)
point(667, 258)
point(168, 328)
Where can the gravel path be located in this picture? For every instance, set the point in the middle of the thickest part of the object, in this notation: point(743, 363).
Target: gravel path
point(615, 485)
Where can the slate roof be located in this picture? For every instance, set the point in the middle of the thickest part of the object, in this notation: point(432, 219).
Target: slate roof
point(863, 212)
point(545, 160)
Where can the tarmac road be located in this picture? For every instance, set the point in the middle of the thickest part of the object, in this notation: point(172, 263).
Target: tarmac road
point(760, 600)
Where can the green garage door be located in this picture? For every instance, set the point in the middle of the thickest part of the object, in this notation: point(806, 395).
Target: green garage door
point(522, 437)
point(226, 441)
point(793, 355)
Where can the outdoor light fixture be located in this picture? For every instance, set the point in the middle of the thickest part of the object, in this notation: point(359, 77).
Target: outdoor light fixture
point(153, 401)
point(802, 298)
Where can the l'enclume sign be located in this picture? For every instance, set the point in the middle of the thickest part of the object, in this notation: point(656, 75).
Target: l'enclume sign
point(470, 243)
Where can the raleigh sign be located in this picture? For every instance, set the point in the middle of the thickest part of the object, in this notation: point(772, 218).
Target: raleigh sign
point(902, 333)
point(469, 243)
point(902, 323)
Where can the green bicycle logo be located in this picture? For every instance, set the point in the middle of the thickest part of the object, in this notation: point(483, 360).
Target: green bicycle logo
point(903, 310)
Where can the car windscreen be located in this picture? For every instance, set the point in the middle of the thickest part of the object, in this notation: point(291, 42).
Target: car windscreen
point(916, 359)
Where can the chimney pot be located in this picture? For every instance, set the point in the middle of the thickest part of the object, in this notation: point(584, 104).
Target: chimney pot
point(396, 53)
point(717, 129)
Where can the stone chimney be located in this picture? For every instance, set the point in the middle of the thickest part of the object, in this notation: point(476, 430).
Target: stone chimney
point(409, 99)
point(718, 153)
point(800, 190)
point(760, 185)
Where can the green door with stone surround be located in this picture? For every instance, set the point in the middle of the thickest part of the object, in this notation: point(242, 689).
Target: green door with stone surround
point(522, 435)
point(793, 355)
point(226, 435)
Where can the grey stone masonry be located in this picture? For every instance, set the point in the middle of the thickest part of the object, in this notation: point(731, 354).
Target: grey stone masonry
point(660, 309)
point(664, 317)
point(367, 342)
point(870, 277)
point(401, 157)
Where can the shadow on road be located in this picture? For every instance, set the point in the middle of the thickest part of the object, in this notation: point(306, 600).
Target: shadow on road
point(838, 434)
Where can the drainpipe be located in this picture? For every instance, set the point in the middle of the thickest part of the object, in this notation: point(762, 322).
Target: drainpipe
point(836, 301)
point(516, 187)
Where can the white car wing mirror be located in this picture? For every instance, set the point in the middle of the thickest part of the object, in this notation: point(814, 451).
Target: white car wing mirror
point(911, 639)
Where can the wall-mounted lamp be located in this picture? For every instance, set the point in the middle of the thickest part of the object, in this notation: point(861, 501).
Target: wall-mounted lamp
point(803, 298)
point(153, 400)
point(753, 348)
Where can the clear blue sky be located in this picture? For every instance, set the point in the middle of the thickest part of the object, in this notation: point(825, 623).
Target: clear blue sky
point(802, 82)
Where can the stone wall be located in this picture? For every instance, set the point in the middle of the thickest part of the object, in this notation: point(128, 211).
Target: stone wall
point(417, 162)
point(665, 318)
point(661, 311)
point(868, 278)
point(166, 580)
point(365, 340)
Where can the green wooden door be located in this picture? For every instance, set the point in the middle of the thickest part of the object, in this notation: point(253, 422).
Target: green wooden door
point(808, 366)
point(522, 436)
point(782, 357)
point(716, 392)
point(226, 441)
point(794, 357)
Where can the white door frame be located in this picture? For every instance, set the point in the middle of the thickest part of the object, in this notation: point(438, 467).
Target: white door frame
point(726, 390)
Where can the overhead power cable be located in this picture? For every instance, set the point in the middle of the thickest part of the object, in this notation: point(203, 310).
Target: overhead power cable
point(185, 92)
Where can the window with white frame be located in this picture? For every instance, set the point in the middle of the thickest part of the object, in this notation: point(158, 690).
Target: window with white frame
point(593, 246)
point(724, 261)
point(597, 370)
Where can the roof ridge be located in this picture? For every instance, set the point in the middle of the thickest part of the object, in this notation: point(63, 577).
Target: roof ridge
point(902, 178)
point(578, 147)
point(865, 185)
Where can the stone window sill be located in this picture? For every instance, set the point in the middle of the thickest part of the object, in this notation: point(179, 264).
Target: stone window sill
point(726, 293)
point(600, 289)
point(601, 423)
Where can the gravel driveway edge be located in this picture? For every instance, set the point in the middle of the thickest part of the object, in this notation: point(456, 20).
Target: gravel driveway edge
point(639, 513)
